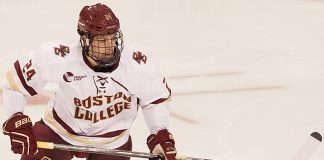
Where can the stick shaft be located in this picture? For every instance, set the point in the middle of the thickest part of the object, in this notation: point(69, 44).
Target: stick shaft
point(114, 152)
point(98, 150)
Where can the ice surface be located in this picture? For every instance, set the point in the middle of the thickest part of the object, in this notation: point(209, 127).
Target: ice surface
point(246, 75)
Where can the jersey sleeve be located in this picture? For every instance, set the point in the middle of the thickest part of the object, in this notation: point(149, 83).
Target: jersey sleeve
point(24, 78)
point(25, 75)
point(153, 93)
point(157, 116)
point(151, 84)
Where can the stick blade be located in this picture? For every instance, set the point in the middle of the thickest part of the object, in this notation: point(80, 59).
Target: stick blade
point(317, 136)
point(309, 147)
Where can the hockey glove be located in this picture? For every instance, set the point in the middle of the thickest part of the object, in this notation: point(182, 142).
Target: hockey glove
point(162, 143)
point(19, 128)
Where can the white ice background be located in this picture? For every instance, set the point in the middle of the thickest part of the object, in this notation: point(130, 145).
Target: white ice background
point(246, 74)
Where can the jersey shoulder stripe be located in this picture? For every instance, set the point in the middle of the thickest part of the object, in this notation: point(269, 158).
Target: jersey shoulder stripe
point(29, 89)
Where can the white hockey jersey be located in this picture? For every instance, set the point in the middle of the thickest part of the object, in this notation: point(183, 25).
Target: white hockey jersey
point(90, 108)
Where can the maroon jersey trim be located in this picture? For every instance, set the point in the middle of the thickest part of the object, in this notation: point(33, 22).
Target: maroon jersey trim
point(63, 124)
point(71, 131)
point(29, 89)
point(163, 99)
point(120, 84)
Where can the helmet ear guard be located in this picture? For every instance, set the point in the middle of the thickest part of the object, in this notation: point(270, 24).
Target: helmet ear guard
point(85, 40)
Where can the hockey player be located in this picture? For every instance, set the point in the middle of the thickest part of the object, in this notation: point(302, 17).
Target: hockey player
point(101, 86)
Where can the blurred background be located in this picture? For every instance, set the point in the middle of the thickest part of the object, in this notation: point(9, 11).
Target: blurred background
point(246, 74)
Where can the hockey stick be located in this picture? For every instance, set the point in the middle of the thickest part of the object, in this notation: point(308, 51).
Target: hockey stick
point(113, 152)
point(309, 147)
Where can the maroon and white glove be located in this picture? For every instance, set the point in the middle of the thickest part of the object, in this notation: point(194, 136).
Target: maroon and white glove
point(19, 128)
point(162, 143)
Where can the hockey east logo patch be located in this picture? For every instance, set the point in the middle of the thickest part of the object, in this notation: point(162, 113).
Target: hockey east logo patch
point(69, 77)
